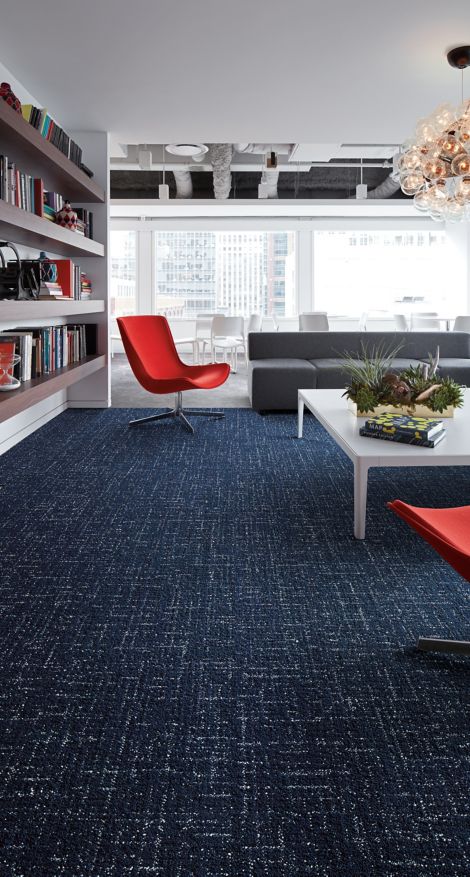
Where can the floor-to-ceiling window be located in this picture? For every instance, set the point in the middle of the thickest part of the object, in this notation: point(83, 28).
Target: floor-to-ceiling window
point(123, 287)
point(392, 271)
point(236, 272)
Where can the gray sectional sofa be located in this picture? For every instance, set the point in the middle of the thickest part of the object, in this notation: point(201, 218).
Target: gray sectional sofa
point(281, 363)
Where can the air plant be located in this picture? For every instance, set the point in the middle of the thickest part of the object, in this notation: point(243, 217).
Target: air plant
point(374, 383)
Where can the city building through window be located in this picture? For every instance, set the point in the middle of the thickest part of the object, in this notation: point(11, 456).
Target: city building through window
point(123, 284)
point(236, 272)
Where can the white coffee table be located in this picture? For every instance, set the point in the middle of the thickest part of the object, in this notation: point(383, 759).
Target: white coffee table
point(330, 408)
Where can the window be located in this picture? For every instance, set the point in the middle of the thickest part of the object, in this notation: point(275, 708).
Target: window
point(123, 273)
point(394, 271)
point(236, 272)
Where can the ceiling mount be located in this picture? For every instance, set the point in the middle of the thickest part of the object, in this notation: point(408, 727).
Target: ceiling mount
point(459, 57)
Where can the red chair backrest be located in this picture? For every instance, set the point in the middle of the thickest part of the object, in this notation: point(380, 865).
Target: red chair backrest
point(150, 348)
point(447, 530)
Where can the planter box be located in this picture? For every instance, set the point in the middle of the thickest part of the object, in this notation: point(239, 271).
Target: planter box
point(417, 411)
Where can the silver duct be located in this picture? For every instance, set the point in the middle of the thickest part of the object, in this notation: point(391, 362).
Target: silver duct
point(385, 189)
point(269, 179)
point(262, 148)
point(220, 155)
point(184, 183)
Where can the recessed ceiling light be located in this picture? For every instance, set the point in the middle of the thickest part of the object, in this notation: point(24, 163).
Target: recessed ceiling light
point(186, 150)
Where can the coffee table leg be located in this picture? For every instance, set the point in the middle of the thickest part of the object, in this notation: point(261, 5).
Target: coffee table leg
point(300, 415)
point(360, 498)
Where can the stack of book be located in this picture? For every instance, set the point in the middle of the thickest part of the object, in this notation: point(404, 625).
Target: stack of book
point(424, 431)
point(20, 189)
point(84, 222)
point(85, 287)
point(50, 130)
point(46, 349)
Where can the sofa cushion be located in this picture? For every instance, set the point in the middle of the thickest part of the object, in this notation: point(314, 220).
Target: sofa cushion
point(320, 345)
point(457, 369)
point(332, 373)
point(274, 383)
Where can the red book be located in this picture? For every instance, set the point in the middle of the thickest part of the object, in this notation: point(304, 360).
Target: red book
point(65, 275)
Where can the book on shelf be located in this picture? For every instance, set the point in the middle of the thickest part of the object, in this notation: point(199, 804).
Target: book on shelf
point(43, 350)
point(403, 438)
point(40, 119)
point(404, 424)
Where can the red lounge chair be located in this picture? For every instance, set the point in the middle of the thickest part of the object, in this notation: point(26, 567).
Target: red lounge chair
point(154, 360)
point(448, 531)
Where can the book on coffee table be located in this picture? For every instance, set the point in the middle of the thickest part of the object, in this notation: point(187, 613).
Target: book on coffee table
point(404, 438)
point(404, 424)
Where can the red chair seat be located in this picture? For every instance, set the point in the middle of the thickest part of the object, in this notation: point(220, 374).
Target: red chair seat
point(447, 530)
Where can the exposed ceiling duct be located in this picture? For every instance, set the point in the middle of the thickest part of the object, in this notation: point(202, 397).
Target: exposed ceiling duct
point(184, 183)
point(268, 184)
point(385, 189)
point(263, 148)
point(221, 157)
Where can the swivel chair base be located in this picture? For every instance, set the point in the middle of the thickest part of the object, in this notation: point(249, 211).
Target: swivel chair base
point(177, 411)
point(429, 644)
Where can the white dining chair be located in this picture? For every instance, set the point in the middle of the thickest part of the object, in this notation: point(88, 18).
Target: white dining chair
point(425, 321)
point(204, 333)
point(275, 322)
point(462, 324)
point(227, 335)
point(316, 321)
point(401, 323)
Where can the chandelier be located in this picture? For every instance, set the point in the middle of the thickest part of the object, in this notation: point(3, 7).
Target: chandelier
point(435, 165)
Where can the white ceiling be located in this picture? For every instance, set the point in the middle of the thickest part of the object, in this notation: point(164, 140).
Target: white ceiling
point(301, 71)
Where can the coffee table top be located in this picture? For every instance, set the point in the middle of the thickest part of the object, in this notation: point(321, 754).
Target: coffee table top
point(331, 409)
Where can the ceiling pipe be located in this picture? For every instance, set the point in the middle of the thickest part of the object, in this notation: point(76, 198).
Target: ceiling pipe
point(221, 157)
point(262, 148)
point(269, 180)
point(385, 189)
point(184, 183)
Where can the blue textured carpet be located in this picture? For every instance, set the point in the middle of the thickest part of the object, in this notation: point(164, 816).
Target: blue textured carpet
point(204, 674)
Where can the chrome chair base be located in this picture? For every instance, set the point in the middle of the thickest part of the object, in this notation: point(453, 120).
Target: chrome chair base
point(429, 644)
point(177, 411)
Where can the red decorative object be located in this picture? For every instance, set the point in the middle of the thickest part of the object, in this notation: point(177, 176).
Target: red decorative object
point(67, 217)
point(154, 360)
point(9, 97)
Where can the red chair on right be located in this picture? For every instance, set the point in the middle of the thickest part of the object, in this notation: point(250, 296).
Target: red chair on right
point(448, 531)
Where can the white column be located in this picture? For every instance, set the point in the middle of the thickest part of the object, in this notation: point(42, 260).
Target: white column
point(145, 273)
point(305, 297)
point(458, 273)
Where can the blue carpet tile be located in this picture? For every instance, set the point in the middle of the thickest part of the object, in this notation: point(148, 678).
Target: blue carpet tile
point(204, 674)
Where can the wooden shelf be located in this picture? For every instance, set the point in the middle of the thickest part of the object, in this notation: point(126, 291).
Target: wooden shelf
point(26, 228)
point(30, 392)
point(32, 310)
point(33, 154)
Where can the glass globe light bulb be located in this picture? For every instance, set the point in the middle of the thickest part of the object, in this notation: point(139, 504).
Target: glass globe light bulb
point(426, 132)
point(462, 190)
point(421, 200)
point(461, 165)
point(437, 195)
point(463, 134)
point(453, 211)
point(412, 183)
point(442, 116)
point(434, 169)
point(450, 147)
point(409, 161)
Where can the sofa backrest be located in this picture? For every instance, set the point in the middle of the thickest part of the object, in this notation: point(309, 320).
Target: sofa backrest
point(321, 345)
